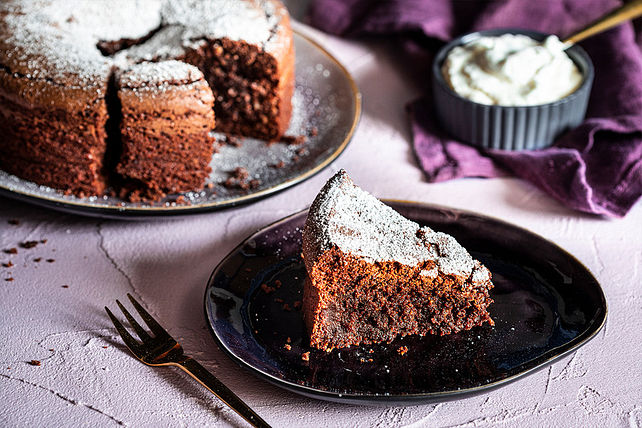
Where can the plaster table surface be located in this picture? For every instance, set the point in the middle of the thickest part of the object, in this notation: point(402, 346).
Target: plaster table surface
point(87, 377)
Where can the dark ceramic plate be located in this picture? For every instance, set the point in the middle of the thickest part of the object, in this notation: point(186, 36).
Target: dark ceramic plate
point(546, 305)
point(326, 100)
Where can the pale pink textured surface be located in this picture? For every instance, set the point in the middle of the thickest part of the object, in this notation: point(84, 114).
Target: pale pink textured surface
point(88, 377)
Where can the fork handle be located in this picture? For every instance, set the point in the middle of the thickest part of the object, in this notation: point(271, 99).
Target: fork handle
point(209, 381)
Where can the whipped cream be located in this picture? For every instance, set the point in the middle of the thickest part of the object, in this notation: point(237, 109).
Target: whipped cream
point(511, 70)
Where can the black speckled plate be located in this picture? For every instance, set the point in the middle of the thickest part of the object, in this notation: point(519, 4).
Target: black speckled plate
point(326, 99)
point(547, 304)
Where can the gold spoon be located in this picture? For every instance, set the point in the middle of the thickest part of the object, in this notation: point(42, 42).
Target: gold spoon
point(629, 10)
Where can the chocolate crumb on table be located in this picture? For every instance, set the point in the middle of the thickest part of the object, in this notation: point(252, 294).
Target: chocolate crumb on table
point(8, 264)
point(305, 356)
point(11, 251)
point(65, 286)
point(297, 304)
point(34, 362)
point(37, 259)
point(9, 279)
point(402, 350)
point(28, 244)
point(287, 308)
point(51, 260)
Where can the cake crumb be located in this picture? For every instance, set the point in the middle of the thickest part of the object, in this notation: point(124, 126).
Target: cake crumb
point(43, 241)
point(278, 283)
point(65, 286)
point(51, 349)
point(402, 350)
point(37, 259)
point(297, 304)
point(294, 140)
point(8, 264)
point(267, 289)
point(287, 347)
point(233, 141)
point(28, 244)
point(305, 356)
point(287, 308)
point(288, 340)
point(9, 279)
point(34, 362)
point(240, 173)
point(51, 260)
point(13, 222)
point(11, 251)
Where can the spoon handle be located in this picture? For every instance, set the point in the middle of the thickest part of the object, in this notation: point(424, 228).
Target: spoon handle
point(629, 10)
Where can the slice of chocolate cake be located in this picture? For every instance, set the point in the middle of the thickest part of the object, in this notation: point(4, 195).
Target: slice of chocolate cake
point(166, 125)
point(374, 275)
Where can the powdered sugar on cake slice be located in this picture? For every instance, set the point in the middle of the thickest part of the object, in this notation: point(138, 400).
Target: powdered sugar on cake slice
point(345, 216)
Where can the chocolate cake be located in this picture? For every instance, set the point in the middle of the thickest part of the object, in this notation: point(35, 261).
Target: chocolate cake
point(374, 275)
point(165, 128)
point(60, 102)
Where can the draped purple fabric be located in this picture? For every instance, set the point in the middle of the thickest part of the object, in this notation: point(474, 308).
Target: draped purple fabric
point(595, 168)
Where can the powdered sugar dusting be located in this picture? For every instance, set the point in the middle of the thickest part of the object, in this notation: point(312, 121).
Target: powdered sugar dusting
point(159, 74)
point(252, 21)
point(56, 40)
point(169, 42)
point(358, 223)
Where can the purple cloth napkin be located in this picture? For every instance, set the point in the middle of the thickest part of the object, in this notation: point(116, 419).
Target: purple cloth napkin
point(595, 168)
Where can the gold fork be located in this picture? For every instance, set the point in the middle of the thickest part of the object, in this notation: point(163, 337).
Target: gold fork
point(162, 350)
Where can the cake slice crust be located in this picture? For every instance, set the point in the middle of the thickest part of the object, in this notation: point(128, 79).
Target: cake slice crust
point(374, 275)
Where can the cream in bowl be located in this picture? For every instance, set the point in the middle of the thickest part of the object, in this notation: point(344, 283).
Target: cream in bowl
point(511, 70)
point(510, 89)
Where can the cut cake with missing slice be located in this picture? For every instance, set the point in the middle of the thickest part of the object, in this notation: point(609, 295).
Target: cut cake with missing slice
point(374, 275)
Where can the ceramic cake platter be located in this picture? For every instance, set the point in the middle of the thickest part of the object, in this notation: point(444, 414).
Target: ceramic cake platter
point(326, 110)
point(546, 304)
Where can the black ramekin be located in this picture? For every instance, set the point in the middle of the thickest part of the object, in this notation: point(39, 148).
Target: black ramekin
point(509, 127)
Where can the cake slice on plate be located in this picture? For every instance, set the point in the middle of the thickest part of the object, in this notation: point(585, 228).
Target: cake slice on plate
point(374, 275)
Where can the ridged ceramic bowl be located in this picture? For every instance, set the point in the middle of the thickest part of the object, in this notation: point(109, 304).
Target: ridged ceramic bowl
point(509, 127)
